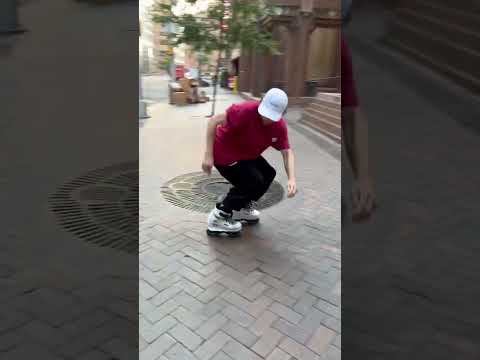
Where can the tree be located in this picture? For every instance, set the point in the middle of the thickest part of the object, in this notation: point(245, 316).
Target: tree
point(224, 25)
point(202, 59)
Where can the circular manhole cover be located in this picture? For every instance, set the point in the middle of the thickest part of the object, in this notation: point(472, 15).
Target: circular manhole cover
point(200, 192)
point(219, 188)
point(101, 207)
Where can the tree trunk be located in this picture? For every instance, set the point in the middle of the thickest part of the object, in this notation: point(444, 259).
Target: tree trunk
point(199, 72)
point(217, 69)
point(215, 84)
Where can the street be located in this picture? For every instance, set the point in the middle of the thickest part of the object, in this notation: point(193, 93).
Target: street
point(273, 293)
point(155, 88)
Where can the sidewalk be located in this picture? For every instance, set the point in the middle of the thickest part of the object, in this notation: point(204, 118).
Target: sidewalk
point(274, 293)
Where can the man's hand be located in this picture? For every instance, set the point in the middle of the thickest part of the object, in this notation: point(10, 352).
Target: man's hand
point(289, 161)
point(291, 188)
point(363, 199)
point(212, 124)
point(207, 163)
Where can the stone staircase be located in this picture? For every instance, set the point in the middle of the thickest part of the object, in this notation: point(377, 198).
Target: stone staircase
point(323, 115)
point(443, 35)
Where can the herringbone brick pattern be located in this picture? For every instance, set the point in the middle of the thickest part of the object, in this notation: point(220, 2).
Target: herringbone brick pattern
point(248, 299)
point(272, 294)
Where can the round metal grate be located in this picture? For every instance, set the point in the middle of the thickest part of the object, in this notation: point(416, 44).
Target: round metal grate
point(200, 192)
point(101, 207)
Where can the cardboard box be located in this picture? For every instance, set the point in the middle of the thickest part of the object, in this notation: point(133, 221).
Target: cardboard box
point(179, 98)
point(185, 84)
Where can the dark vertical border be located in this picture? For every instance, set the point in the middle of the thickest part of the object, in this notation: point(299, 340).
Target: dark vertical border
point(410, 275)
point(69, 175)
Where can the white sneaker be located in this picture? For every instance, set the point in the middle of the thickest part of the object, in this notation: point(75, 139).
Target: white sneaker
point(248, 214)
point(221, 223)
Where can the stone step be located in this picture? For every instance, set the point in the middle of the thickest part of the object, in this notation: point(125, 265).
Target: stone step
point(460, 77)
point(332, 97)
point(326, 103)
point(470, 6)
point(442, 28)
point(435, 46)
point(323, 115)
point(452, 12)
point(320, 129)
point(327, 90)
point(322, 123)
point(326, 109)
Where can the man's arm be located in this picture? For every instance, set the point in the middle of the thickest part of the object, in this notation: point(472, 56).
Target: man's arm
point(289, 163)
point(215, 121)
point(356, 142)
point(360, 145)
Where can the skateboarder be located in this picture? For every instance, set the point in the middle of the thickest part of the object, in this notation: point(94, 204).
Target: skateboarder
point(235, 143)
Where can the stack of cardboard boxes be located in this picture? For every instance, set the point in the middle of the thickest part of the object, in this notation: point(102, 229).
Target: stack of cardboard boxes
point(177, 94)
point(185, 91)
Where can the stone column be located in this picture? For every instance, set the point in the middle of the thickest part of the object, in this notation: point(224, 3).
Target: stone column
point(285, 58)
point(300, 29)
point(254, 73)
point(338, 62)
point(262, 71)
point(268, 78)
point(244, 76)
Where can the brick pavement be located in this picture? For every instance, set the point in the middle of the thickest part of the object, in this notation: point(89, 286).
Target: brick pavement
point(272, 294)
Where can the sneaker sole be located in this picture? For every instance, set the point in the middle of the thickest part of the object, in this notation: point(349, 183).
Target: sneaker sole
point(250, 222)
point(223, 233)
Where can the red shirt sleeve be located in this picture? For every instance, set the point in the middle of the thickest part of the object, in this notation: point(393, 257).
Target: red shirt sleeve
point(234, 118)
point(349, 91)
point(238, 115)
point(282, 142)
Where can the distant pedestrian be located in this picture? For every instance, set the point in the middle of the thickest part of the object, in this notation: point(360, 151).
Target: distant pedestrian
point(235, 143)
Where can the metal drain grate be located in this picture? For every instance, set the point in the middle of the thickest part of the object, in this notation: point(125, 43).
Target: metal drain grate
point(200, 192)
point(101, 207)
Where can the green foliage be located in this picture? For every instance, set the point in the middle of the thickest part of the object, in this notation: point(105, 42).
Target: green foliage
point(165, 63)
point(222, 27)
point(203, 58)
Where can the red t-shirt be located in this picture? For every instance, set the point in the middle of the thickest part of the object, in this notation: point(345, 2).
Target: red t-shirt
point(244, 137)
point(349, 91)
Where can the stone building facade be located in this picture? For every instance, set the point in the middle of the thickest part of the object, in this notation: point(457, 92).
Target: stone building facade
point(309, 35)
point(153, 44)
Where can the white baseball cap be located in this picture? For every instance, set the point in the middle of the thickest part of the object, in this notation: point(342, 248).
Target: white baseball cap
point(274, 104)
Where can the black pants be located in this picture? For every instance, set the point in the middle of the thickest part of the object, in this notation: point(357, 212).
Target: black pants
point(250, 179)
